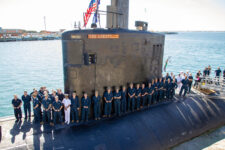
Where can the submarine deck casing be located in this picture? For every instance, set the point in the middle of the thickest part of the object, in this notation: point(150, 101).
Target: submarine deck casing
point(97, 58)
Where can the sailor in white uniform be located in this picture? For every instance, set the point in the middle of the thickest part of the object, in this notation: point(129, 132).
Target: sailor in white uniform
point(67, 102)
point(179, 83)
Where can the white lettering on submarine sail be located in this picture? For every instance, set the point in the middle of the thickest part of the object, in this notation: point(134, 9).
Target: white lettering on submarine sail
point(75, 36)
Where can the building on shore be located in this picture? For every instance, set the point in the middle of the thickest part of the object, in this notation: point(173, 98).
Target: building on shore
point(7, 35)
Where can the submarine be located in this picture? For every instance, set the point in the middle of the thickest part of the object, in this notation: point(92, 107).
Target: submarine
point(97, 58)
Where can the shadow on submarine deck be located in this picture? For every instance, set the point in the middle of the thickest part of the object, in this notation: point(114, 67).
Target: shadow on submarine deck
point(160, 127)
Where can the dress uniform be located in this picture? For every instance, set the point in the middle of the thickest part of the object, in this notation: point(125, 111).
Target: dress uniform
point(57, 106)
point(67, 103)
point(17, 108)
point(26, 104)
point(143, 95)
point(46, 105)
point(108, 98)
point(96, 100)
point(36, 109)
point(75, 106)
point(185, 83)
point(131, 98)
point(150, 93)
point(86, 103)
point(117, 102)
point(138, 96)
point(123, 100)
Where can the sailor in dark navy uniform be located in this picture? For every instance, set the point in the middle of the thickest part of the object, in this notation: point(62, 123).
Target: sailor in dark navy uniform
point(138, 96)
point(60, 94)
point(36, 108)
point(156, 85)
point(205, 72)
point(190, 78)
point(153, 90)
point(96, 100)
point(26, 104)
point(174, 86)
point(131, 97)
point(46, 105)
point(224, 73)
point(164, 88)
point(124, 100)
point(149, 93)
point(160, 89)
point(168, 76)
point(185, 83)
point(117, 101)
point(85, 103)
point(168, 90)
point(17, 103)
point(75, 107)
point(143, 95)
point(57, 107)
point(108, 98)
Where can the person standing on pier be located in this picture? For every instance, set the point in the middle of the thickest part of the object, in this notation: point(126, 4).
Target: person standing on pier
point(75, 107)
point(85, 103)
point(96, 100)
point(66, 103)
point(26, 104)
point(206, 72)
point(108, 98)
point(17, 103)
point(218, 72)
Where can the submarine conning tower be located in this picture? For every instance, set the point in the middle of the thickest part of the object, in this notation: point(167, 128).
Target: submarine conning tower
point(94, 59)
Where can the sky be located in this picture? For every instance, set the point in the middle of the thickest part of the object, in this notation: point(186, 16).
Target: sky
point(162, 15)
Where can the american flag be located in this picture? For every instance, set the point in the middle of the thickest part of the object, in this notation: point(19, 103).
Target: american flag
point(92, 7)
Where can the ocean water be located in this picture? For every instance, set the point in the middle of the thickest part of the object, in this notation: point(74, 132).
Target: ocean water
point(28, 65)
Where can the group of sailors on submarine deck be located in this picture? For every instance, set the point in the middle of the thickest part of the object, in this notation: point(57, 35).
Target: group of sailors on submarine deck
point(56, 107)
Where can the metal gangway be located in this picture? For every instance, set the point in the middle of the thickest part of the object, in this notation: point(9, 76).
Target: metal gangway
point(216, 83)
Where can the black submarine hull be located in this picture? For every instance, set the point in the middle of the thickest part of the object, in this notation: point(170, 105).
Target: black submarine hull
point(157, 128)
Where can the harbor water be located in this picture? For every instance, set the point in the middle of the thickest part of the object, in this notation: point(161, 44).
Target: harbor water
point(31, 64)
